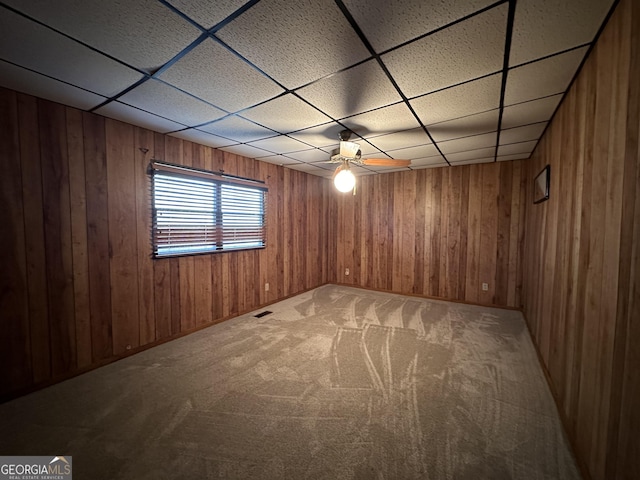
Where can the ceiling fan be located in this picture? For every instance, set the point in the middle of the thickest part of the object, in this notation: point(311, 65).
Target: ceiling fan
point(349, 152)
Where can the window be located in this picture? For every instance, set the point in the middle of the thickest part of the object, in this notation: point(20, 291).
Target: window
point(195, 211)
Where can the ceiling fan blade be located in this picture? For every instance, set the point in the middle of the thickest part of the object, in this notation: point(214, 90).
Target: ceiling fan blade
point(386, 162)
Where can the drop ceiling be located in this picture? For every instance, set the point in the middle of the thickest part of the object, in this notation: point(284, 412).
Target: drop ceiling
point(438, 83)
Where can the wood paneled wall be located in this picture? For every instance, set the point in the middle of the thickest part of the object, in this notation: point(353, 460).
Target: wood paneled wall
point(437, 232)
point(582, 268)
point(78, 284)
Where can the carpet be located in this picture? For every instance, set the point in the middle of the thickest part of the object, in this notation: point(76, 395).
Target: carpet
point(335, 383)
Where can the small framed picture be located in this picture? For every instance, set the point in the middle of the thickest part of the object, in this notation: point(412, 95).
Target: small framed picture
point(541, 185)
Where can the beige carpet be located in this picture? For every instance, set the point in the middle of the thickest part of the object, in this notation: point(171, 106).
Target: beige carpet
point(336, 383)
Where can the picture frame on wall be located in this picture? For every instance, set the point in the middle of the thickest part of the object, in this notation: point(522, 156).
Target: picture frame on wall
point(541, 185)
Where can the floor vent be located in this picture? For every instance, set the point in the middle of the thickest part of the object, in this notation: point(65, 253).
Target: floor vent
point(262, 314)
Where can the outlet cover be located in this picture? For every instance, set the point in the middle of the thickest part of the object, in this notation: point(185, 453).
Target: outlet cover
point(266, 287)
point(346, 271)
point(485, 287)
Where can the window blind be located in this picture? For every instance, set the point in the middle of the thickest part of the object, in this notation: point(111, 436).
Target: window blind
point(195, 211)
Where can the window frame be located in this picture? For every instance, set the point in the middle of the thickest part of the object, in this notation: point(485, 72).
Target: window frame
point(218, 180)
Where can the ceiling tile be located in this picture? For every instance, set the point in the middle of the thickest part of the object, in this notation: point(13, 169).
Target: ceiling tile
point(321, 136)
point(352, 91)
point(466, 126)
point(472, 154)
point(237, 129)
point(524, 147)
point(383, 120)
point(144, 34)
point(522, 134)
point(125, 113)
point(544, 27)
point(286, 114)
point(312, 155)
point(406, 138)
point(530, 112)
point(38, 48)
point(202, 138)
point(542, 78)
point(297, 45)
point(472, 161)
point(468, 143)
point(205, 12)
point(280, 144)
point(516, 156)
point(22, 80)
point(472, 97)
point(278, 160)
point(307, 168)
point(435, 161)
point(247, 151)
point(467, 50)
point(234, 87)
point(410, 153)
point(159, 98)
point(387, 24)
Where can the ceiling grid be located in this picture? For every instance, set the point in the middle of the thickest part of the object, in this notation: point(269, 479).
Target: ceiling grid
point(437, 83)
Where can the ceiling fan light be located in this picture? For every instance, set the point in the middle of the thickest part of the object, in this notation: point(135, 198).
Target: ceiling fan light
point(349, 149)
point(345, 181)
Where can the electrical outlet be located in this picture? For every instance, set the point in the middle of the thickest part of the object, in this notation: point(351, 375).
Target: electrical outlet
point(266, 287)
point(485, 287)
point(346, 271)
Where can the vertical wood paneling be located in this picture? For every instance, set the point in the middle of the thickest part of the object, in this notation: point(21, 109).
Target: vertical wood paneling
point(437, 232)
point(57, 228)
point(581, 253)
point(122, 236)
point(15, 358)
point(79, 246)
point(80, 286)
point(34, 236)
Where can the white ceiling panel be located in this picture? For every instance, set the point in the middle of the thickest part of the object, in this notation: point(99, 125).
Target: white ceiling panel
point(308, 168)
point(321, 136)
point(278, 160)
point(297, 45)
point(435, 161)
point(468, 143)
point(286, 114)
point(544, 27)
point(144, 34)
point(164, 100)
point(472, 161)
point(205, 12)
point(310, 156)
point(466, 99)
point(234, 87)
point(280, 144)
point(515, 156)
point(407, 138)
point(483, 153)
point(387, 24)
point(413, 152)
point(466, 126)
point(543, 78)
point(125, 113)
point(247, 151)
point(203, 138)
point(530, 112)
point(522, 134)
point(28, 44)
point(524, 147)
point(467, 50)
point(238, 129)
point(22, 80)
point(383, 120)
point(352, 91)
